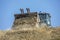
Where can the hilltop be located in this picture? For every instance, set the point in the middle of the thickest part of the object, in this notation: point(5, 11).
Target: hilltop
point(42, 33)
point(31, 26)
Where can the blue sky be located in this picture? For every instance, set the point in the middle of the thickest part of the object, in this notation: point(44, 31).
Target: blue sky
point(10, 7)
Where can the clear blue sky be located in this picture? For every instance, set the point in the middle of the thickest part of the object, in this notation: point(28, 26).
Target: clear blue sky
point(10, 7)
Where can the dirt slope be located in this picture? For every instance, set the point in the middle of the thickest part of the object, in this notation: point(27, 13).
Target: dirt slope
point(43, 33)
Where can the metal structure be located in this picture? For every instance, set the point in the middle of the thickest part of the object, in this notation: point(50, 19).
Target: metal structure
point(45, 18)
point(31, 19)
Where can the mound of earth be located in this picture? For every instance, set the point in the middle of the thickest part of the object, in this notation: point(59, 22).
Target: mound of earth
point(43, 33)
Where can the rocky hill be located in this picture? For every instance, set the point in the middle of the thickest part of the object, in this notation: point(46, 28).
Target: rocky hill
point(42, 33)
